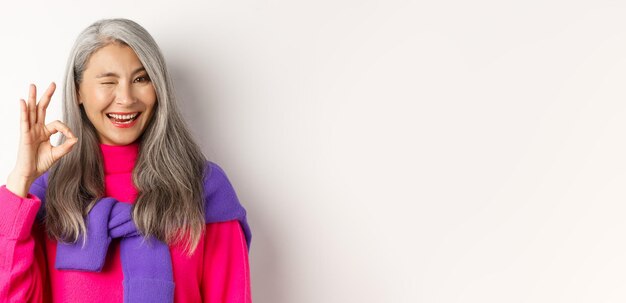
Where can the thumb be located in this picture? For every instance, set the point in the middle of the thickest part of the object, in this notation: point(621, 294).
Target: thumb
point(63, 149)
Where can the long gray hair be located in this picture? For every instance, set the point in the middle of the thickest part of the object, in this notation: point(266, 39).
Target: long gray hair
point(170, 167)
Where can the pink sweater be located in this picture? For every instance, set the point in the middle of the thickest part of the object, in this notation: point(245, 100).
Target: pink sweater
point(218, 270)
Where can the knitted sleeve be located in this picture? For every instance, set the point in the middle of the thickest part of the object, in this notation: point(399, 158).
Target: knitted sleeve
point(226, 269)
point(226, 272)
point(23, 273)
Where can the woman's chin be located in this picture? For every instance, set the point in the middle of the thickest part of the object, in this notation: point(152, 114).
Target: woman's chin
point(118, 141)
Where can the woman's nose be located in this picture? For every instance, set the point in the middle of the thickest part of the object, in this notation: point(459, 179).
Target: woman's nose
point(124, 94)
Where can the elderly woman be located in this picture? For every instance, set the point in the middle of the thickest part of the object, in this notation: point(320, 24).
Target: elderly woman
point(125, 208)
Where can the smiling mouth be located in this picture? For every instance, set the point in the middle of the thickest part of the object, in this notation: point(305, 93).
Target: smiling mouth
point(123, 119)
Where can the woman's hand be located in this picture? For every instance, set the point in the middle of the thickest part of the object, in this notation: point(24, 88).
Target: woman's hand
point(35, 152)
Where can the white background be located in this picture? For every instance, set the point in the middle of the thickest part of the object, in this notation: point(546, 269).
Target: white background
point(389, 151)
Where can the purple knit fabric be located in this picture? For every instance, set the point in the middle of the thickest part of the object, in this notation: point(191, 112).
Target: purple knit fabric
point(146, 263)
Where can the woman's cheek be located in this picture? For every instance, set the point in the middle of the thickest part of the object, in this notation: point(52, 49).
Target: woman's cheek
point(148, 92)
point(103, 93)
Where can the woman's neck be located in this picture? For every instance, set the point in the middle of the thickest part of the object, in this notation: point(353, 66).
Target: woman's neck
point(119, 158)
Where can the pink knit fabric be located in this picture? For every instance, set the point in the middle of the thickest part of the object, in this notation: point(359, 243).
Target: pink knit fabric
point(217, 271)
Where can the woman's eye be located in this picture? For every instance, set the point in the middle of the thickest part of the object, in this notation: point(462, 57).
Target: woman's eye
point(142, 79)
point(107, 83)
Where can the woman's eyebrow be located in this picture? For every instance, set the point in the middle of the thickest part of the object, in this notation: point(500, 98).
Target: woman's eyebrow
point(111, 74)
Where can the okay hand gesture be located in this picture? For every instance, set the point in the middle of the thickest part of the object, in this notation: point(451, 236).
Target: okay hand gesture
point(35, 152)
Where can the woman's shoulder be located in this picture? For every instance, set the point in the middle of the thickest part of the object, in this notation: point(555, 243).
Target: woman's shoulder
point(42, 181)
point(215, 178)
point(221, 201)
point(213, 168)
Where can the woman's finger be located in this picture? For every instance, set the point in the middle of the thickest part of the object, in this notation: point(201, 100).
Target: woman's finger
point(58, 126)
point(43, 104)
point(24, 125)
point(63, 149)
point(32, 105)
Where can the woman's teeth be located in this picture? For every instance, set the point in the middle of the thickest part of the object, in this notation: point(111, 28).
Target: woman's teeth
point(123, 118)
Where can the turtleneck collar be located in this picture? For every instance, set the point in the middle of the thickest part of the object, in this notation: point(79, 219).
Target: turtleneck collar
point(119, 158)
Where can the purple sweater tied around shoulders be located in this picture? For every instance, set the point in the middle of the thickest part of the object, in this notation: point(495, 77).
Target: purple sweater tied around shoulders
point(146, 262)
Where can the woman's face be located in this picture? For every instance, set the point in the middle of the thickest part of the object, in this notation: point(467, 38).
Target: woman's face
point(117, 94)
